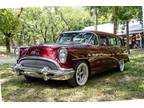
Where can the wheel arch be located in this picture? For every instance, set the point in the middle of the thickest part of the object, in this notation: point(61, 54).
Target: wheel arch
point(84, 60)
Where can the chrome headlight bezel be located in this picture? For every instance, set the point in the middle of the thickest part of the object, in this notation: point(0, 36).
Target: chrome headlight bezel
point(62, 54)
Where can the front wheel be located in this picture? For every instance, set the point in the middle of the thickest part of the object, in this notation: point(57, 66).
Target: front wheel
point(81, 74)
point(29, 78)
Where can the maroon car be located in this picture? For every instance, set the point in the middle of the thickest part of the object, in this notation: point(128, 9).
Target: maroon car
point(76, 56)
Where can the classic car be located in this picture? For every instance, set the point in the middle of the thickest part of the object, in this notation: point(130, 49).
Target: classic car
point(75, 57)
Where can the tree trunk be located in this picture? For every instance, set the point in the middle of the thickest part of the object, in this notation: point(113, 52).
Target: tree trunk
point(96, 18)
point(62, 17)
point(20, 12)
point(115, 27)
point(45, 40)
point(20, 40)
point(7, 43)
point(53, 34)
point(115, 19)
point(29, 39)
point(142, 40)
point(127, 32)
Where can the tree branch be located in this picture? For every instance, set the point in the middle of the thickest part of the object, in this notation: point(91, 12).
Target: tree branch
point(20, 12)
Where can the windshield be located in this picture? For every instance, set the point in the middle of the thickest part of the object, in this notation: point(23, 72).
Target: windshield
point(79, 37)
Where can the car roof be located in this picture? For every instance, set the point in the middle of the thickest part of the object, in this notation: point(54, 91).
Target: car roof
point(93, 31)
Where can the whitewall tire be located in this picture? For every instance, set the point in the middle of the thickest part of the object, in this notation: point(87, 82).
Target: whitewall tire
point(81, 74)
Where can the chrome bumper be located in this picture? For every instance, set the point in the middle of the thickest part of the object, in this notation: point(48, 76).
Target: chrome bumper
point(44, 73)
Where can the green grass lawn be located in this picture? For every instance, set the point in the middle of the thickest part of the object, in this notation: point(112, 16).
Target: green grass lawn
point(108, 86)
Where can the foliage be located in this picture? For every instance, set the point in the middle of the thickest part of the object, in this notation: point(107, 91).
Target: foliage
point(99, 14)
point(9, 22)
point(118, 14)
point(43, 25)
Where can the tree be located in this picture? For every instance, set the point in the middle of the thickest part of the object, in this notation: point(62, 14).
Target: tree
point(9, 23)
point(99, 14)
point(93, 11)
point(28, 31)
point(44, 24)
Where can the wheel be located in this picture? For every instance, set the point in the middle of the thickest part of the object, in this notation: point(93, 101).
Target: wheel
point(121, 65)
point(81, 74)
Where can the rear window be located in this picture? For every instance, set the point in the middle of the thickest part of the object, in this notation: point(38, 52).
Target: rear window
point(109, 40)
point(103, 40)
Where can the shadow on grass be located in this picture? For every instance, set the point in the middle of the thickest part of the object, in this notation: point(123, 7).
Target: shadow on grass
point(19, 89)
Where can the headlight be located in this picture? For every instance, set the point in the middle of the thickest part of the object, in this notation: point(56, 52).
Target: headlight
point(62, 55)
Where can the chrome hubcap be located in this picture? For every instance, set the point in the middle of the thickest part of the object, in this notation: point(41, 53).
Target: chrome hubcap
point(82, 74)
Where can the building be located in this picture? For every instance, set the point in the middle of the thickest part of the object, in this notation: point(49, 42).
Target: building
point(108, 27)
point(136, 32)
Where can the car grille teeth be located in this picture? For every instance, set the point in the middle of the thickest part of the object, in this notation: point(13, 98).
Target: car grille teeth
point(38, 64)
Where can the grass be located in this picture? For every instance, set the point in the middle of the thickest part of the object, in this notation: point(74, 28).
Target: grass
point(108, 86)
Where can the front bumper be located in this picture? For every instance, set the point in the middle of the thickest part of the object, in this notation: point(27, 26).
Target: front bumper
point(44, 73)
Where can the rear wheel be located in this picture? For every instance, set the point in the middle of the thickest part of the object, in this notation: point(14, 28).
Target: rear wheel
point(121, 65)
point(81, 74)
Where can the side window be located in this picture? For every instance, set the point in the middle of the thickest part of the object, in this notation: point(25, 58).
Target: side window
point(119, 42)
point(112, 41)
point(103, 40)
point(91, 38)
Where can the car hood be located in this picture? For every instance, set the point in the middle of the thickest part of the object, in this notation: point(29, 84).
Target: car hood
point(50, 50)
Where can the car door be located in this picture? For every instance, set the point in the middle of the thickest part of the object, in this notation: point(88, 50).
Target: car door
point(114, 49)
point(104, 52)
point(99, 54)
point(92, 52)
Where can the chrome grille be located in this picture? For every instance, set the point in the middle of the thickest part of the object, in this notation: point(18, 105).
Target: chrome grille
point(38, 63)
